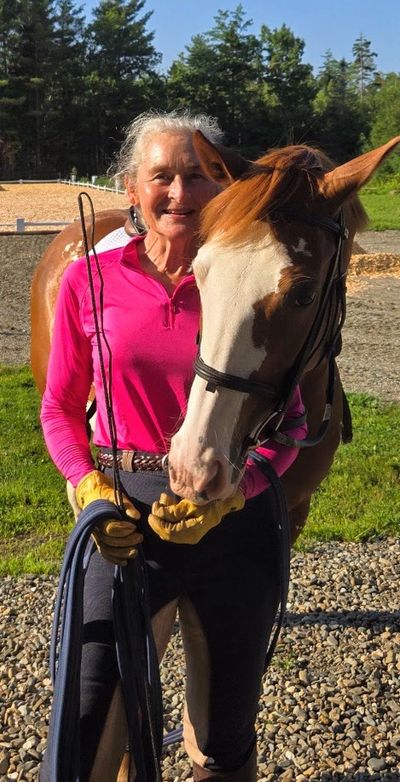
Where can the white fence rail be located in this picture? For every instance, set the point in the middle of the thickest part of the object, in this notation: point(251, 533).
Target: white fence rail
point(21, 224)
point(115, 189)
point(28, 181)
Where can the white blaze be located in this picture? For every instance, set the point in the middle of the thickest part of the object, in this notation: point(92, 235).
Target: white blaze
point(232, 280)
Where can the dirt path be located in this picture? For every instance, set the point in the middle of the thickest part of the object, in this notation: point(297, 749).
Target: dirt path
point(370, 360)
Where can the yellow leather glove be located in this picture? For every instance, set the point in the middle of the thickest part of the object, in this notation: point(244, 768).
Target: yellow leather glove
point(185, 522)
point(116, 540)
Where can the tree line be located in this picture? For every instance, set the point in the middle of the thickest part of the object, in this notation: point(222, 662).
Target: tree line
point(68, 87)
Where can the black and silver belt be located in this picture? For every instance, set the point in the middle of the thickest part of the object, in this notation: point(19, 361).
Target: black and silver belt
point(134, 461)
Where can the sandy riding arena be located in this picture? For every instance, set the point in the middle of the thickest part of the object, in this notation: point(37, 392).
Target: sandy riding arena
point(370, 361)
point(53, 202)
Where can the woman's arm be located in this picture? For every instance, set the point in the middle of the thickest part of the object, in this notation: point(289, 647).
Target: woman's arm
point(280, 456)
point(69, 377)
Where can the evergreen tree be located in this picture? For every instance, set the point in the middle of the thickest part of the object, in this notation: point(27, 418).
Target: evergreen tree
point(8, 29)
point(191, 77)
point(120, 75)
point(221, 74)
point(363, 65)
point(8, 101)
point(386, 118)
point(340, 119)
point(30, 70)
point(290, 84)
point(67, 89)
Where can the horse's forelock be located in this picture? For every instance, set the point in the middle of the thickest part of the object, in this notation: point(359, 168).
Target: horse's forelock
point(268, 185)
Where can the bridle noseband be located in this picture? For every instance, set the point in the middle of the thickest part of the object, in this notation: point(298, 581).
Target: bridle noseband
point(270, 424)
point(216, 378)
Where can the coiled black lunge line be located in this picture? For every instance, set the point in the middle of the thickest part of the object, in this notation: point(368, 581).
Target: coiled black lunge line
point(136, 654)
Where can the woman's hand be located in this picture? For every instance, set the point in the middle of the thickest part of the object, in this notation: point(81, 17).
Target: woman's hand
point(116, 539)
point(185, 522)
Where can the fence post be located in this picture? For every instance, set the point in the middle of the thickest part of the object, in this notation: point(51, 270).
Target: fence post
point(20, 226)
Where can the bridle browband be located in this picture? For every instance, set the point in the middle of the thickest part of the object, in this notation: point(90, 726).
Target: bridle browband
point(270, 425)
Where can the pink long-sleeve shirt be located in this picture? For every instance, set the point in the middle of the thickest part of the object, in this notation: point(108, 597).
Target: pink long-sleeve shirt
point(152, 337)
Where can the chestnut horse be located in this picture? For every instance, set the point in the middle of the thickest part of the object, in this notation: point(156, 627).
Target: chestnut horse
point(275, 248)
point(261, 269)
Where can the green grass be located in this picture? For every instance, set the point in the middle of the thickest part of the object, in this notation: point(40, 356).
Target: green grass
point(360, 498)
point(381, 199)
point(34, 514)
point(383, 209)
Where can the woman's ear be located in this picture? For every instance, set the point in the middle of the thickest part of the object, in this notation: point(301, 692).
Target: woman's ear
point(131, 190)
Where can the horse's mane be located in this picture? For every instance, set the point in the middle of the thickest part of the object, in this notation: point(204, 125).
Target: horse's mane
point(269, 184)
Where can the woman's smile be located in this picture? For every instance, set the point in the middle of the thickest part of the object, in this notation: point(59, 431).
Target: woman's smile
point(171, 191)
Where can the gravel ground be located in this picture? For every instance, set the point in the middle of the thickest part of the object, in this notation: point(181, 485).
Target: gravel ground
point(329, 710)
point(370, 358)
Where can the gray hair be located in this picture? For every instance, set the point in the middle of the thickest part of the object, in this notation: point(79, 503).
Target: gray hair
point(130, 155)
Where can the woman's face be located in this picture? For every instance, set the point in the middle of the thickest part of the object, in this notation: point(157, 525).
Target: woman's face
point(171, 189)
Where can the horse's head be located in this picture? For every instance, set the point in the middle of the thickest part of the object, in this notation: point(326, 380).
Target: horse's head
point(276, 243)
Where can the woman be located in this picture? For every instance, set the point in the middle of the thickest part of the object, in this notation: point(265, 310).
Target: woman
point(225, 587)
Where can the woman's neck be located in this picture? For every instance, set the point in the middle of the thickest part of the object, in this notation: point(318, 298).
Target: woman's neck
point(166, 257)
point(167, 262)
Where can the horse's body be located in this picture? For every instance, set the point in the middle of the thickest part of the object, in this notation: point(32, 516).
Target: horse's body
point(65, 248)
point(273, 256)
point(302, 247)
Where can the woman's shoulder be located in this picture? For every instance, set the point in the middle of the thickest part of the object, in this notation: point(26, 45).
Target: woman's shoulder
point(77, 271)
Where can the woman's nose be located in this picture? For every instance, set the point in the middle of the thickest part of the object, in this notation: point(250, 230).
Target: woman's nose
point(176, 188)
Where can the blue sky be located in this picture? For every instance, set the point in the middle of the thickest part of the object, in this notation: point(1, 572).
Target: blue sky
point(322, 25)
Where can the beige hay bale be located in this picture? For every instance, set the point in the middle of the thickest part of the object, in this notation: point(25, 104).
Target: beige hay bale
point(375, 263)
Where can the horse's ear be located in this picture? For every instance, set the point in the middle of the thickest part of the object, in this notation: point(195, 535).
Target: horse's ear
point(220, 164)
point(344, 181)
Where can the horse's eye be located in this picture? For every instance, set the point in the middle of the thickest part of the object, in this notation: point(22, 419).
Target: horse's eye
point(305, 296)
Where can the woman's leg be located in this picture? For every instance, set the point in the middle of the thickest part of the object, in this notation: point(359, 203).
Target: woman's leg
point(232, 594)
point(246, 773)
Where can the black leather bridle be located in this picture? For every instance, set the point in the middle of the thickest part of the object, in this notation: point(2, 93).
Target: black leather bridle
point(272, 426)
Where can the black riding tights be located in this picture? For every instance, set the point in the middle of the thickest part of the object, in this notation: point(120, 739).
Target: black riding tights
point(227, 592)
